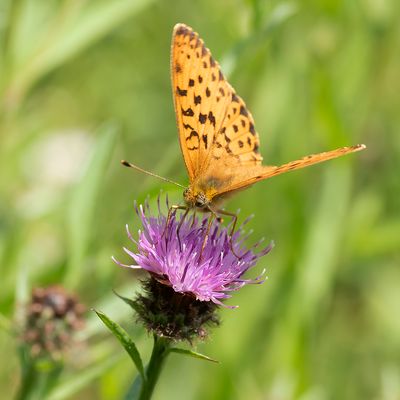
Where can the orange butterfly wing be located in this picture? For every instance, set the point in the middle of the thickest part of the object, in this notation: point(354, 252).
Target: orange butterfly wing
point(214, 125)
point(218, 139)
point(253, 175)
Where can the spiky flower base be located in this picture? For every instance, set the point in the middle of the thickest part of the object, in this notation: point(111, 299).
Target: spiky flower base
point(177, 316)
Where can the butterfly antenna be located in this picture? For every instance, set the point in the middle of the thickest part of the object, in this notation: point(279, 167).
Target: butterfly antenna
point(130, 165)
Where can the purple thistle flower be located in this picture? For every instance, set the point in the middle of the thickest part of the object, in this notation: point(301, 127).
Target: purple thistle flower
point(174, 260)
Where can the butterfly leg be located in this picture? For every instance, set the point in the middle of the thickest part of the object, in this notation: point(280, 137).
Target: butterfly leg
point(187, 209)
point(194, 218)
point(210, 221)
point(170, 211)
point(234, 219)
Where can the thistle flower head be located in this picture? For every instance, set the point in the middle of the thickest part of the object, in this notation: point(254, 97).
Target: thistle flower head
point(187, 265)
point(53, 315)
point(176, 257)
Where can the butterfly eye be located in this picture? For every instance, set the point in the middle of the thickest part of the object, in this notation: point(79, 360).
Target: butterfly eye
point(199, 204)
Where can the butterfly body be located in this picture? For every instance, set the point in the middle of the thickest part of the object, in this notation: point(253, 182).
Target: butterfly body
point(200, 195)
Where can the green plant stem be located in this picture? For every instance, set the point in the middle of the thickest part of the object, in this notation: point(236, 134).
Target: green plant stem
point(153, 370)
point(36, 381)
point(28, 379)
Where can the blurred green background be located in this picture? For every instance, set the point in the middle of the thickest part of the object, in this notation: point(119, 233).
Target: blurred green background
point(84, 83)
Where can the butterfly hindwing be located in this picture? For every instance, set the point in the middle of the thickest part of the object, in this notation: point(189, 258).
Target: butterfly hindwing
point(243, 178)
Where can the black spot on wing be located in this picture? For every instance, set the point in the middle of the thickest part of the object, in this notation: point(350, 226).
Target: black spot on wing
point(191, 82)
point(187, 126)
point(192, 135)
point(211, 118)
point(181, 92)
point(187, 113)
point(182, 30)
point(202, 118)
point(197, 99)
point(243, 111)
point(204, 137)
point(252, 129)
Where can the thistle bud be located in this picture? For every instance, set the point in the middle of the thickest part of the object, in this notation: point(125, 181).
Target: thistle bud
point(52, 317)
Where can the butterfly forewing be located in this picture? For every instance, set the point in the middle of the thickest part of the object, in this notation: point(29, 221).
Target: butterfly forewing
point(216, 130)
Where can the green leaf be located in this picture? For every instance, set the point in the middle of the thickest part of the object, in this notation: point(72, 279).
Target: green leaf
point(125, 340)
point(83, 203)
point(192, 353)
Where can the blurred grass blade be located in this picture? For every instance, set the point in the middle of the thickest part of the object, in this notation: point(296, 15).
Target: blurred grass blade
point(83, 204)
point(327, 228)
point(279, 15)
point(79, 381)
point(193, 354)
point(21, 294)
point(125, 340)
point(78, 26)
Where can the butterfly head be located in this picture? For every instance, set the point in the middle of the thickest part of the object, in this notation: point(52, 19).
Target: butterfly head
point(196, 198)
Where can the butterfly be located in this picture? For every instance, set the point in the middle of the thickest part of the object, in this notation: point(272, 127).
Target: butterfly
point(217, 136)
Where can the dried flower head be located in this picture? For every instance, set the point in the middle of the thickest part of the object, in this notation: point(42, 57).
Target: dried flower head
point(185, 277)
point(52, 317)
